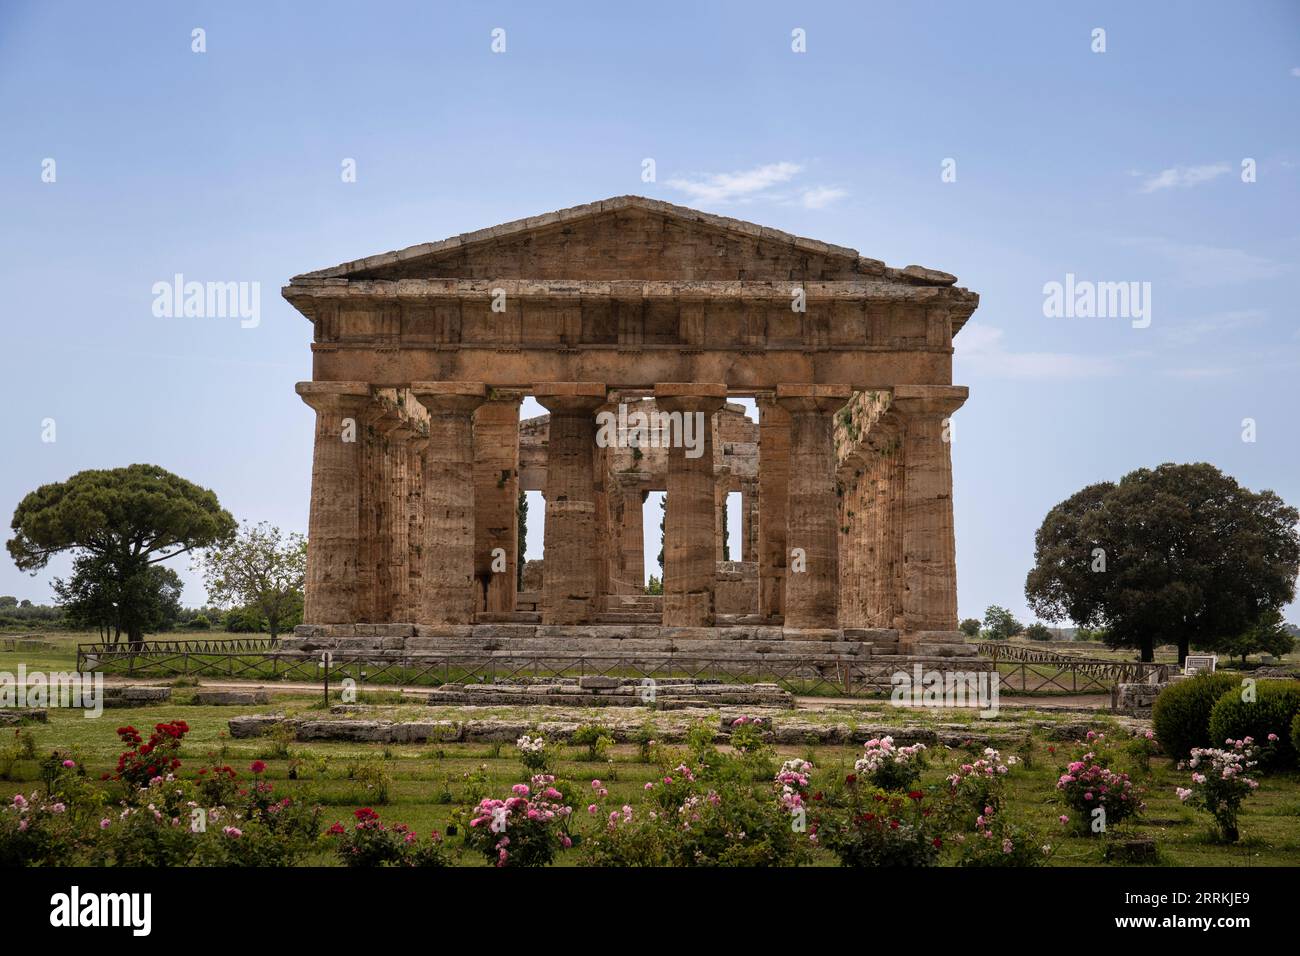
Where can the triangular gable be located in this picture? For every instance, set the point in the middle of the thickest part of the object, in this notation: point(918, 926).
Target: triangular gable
point(629, 237)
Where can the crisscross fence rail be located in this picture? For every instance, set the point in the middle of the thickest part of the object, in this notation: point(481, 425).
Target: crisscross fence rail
point(257, 659)
point(1031, 670)
point(172, 659)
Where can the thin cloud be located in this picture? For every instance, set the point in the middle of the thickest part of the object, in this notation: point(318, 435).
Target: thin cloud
point(819, 197)
point(729, 187)
point(761, 182)
point(1217, 325)
point(1184, 177)
point(980, 347)
point(1198, 264)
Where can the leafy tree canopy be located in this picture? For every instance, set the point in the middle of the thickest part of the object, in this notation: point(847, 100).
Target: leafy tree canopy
point(120, 521)
point(140, 514)
point(261, 569)
point(1179, 554)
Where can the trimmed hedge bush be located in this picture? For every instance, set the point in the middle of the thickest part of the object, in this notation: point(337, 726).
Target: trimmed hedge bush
point(1295, 734)
point(1181, 714)
point(1276, 704)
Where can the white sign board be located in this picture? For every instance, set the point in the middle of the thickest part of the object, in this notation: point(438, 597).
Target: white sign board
point(1199, 663)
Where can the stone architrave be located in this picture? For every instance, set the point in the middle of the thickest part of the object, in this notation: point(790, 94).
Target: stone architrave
point(690, 525)
point(569, 545)
point(448, 546)
point(333, 527)
point(812, 594)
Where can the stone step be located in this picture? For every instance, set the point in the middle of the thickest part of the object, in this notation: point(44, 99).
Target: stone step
point(508, 617)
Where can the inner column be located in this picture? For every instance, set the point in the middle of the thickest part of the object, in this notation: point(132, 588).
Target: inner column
point(690, 525)
point(496, 499)
point(569, 539)
point(812, 583)
point(448, 546)
point(773, 488)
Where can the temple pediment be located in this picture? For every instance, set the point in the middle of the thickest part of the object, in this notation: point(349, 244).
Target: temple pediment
point(630, 238)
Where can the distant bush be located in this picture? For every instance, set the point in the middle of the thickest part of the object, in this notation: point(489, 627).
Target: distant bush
point(1181, 714)
point(1274, 709)
point(243, 620)
point(1038, 632)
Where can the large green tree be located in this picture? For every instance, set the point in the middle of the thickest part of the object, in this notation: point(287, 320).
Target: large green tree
point(1179, 554)
point(260, 569)
point(94, 596)
point(126, 520)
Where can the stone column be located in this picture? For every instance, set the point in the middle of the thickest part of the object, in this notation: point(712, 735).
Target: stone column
point(773, 488)
point(749, 520)
point(333, 527)
point(496, 497)
point(690, 526)
point(397, 432)
point(929, 546)
point(448, 545)
point(415, 525)
point(812, 595)
point(632, 543)
point(569, 545)
point(884, 600)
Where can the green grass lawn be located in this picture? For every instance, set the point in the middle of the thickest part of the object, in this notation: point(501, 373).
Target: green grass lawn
point(429, 781)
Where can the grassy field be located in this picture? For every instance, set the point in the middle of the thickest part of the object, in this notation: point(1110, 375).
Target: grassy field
point(429, 781)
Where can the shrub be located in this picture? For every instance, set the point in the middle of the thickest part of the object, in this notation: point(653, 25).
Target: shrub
point(374, 779)
point(890, 767)
point(371, 842)
point(532, 752)
point(1220, 784)
point(976, 785)
point(1000, 841)
point(1295, 733)
point(1087, 785)
point(868, 828)
point(1181, 714)
point(1276, 704)
point(1038, 632)
point(595, 738)
point(142, 762)
point(526, 829)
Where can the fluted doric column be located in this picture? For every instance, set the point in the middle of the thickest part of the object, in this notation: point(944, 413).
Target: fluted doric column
point(773, 490)
point(395, 535)
point(631, 542)
point(569, 545)
point(333, 527)
point(812, 584)
point(448, 545)
point(690, 525)
point(929, 595)
point(496, 501)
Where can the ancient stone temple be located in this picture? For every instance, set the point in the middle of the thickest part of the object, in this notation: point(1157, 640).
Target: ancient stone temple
point(421, 358)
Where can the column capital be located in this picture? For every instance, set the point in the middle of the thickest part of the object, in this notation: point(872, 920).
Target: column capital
point(573, 398)
point(928, 399)
point(449, 397)
point(391, 423)
point(826, 399)
point(505, 396)
point(690, 396)
point(334, 396)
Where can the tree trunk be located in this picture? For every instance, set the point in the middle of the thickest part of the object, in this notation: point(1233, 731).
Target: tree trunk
point(135, 635)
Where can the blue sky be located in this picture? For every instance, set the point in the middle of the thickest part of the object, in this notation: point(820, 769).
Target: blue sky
point(225, 166)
